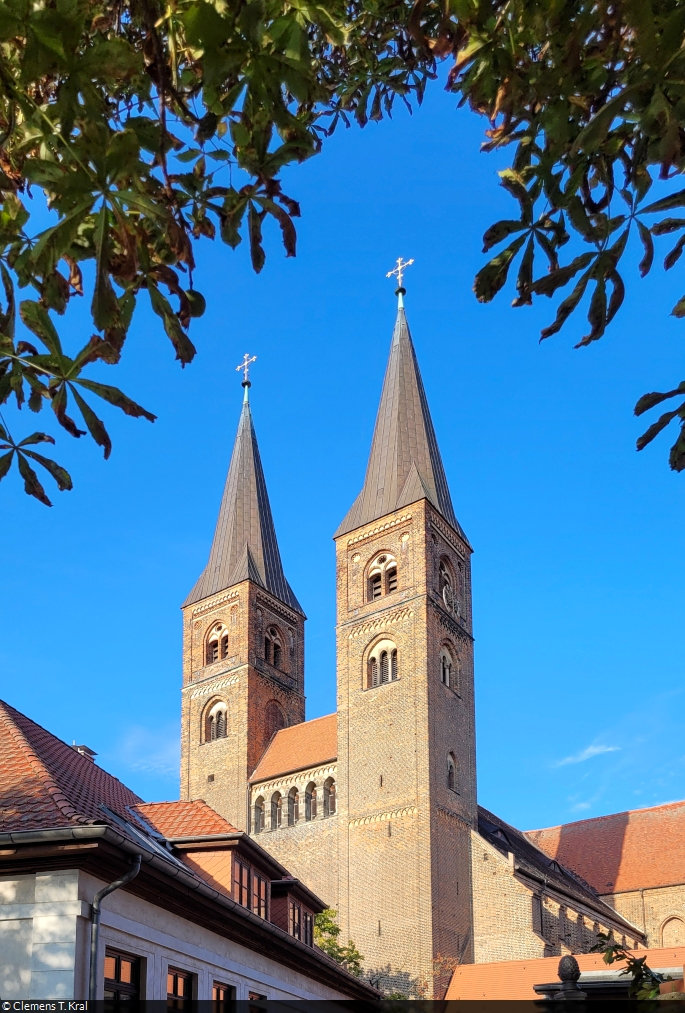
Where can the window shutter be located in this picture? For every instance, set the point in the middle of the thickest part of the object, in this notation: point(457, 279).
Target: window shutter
point(385, 674)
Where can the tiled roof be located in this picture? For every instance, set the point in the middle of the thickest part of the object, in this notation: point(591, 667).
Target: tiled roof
point(184, 819)
point(301, 746)
point(45, 783)
point(404, 463)
point(514, 979)
point(244, 545)
point(529, 857)
point(637, 849)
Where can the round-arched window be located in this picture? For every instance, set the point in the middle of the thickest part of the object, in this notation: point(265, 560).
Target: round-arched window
point(329, 797)
point(259, 814)
point(452, 772)
point(383, 665)
point(276, 810)
point(274, 718)
point(273, 648)
point(293, 807)
point(216, 721)
point(216, 644)
point(310, 801)
point(381, 576)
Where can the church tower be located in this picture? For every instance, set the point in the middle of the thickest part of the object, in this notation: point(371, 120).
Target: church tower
point(243, 643)
point(406, 740)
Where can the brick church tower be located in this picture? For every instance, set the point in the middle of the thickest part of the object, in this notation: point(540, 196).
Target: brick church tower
point(243, 643)
point(406, 740)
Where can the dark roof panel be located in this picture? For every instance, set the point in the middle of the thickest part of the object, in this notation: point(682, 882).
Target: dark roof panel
point(244, 545)
point(404, 463)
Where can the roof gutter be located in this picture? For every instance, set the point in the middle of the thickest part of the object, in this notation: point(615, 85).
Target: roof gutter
point(96, 911)
point(183, 875)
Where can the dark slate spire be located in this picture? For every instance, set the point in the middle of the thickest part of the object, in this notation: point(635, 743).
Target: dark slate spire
point(404, 463)
point(245, 545)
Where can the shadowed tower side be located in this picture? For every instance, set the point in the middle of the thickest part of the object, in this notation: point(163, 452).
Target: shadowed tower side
point(406, 745)
point(243, 642)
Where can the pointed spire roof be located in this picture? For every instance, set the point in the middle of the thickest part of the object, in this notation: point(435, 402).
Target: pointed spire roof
point(245, 545)
point(404, 463)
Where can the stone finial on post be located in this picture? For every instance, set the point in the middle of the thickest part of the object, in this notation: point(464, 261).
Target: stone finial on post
point(568, 974)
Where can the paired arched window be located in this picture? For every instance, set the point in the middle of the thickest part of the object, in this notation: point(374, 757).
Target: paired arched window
point(382, 576)
point(276, 810)
point(293, 807)
point(273, 647)
point(310, 802)
point(216, 721)
point(452, 772)
point(449, 668)
point(382, 664)
point(216, 648)
point(274, 718)
point(329, 801)
point(259, 816)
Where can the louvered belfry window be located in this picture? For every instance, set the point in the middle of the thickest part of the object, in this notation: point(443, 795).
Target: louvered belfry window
point(375, 587)
point(224, 646)
point(385, 667)
point(373, 666)
point(393, 665)
point(392, 580)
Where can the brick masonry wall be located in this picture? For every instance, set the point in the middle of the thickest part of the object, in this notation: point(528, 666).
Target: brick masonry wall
point(245, 683)
point(514, 920)
point(654, 910)
point(393, 745)
point(309, 849)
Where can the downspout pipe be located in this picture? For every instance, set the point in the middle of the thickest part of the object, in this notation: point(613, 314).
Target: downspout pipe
point(96, 911)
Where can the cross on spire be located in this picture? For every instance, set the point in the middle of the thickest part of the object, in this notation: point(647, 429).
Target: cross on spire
point(245, 366)
point(402, 265)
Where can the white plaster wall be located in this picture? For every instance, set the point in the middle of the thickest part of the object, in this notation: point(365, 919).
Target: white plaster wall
point(39, 915)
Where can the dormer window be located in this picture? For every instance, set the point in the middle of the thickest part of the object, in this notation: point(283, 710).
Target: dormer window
point(382, 576)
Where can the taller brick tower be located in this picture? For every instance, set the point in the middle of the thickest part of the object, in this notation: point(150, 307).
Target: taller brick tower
point(406, 741)
point(243, 643)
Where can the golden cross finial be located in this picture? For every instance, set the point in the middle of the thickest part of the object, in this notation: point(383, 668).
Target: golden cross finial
point(402, 265)
point(245, 366)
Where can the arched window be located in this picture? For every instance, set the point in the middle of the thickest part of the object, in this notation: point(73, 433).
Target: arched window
point(276, 810)
point(293, 807)
point(216, 721)
point(310, 801)
point(217, 644)
point(259, 815)
point(673, 932)
point(329, 797)
point(447, 672)
point(381, 576)
point(451, 772)
point(382, 664)
point(274, 718)
point(273, 647)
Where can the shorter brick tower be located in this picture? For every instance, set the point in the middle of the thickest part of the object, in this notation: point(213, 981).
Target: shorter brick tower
point(243, 643)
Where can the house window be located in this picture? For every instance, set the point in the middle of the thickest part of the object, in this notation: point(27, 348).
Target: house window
point(241, 883)
point(178, 987)
point(293, 807)
point(381, 576)
point(451, 773)
point(255, 996)
point(294, 920)
point(310, 802)
point(222, 993)
point(258, 821)
point(122, 975)
point(259, 895)
point(329, 797)
point(383, 664)
point(307, 928)
point(276, 811)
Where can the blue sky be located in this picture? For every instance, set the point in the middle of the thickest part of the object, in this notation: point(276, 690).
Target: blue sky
point(578, 592)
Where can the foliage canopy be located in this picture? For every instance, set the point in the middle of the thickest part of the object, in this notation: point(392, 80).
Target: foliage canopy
point(149, 127)
point(326, 933)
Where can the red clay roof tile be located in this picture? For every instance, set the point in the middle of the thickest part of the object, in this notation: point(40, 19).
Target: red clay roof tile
point(624, 851)
point(184, 819)
point(514, 979)
point(298, 747)
point(45, 783)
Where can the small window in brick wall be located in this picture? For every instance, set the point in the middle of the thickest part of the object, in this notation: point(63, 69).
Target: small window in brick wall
point(383, 666)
